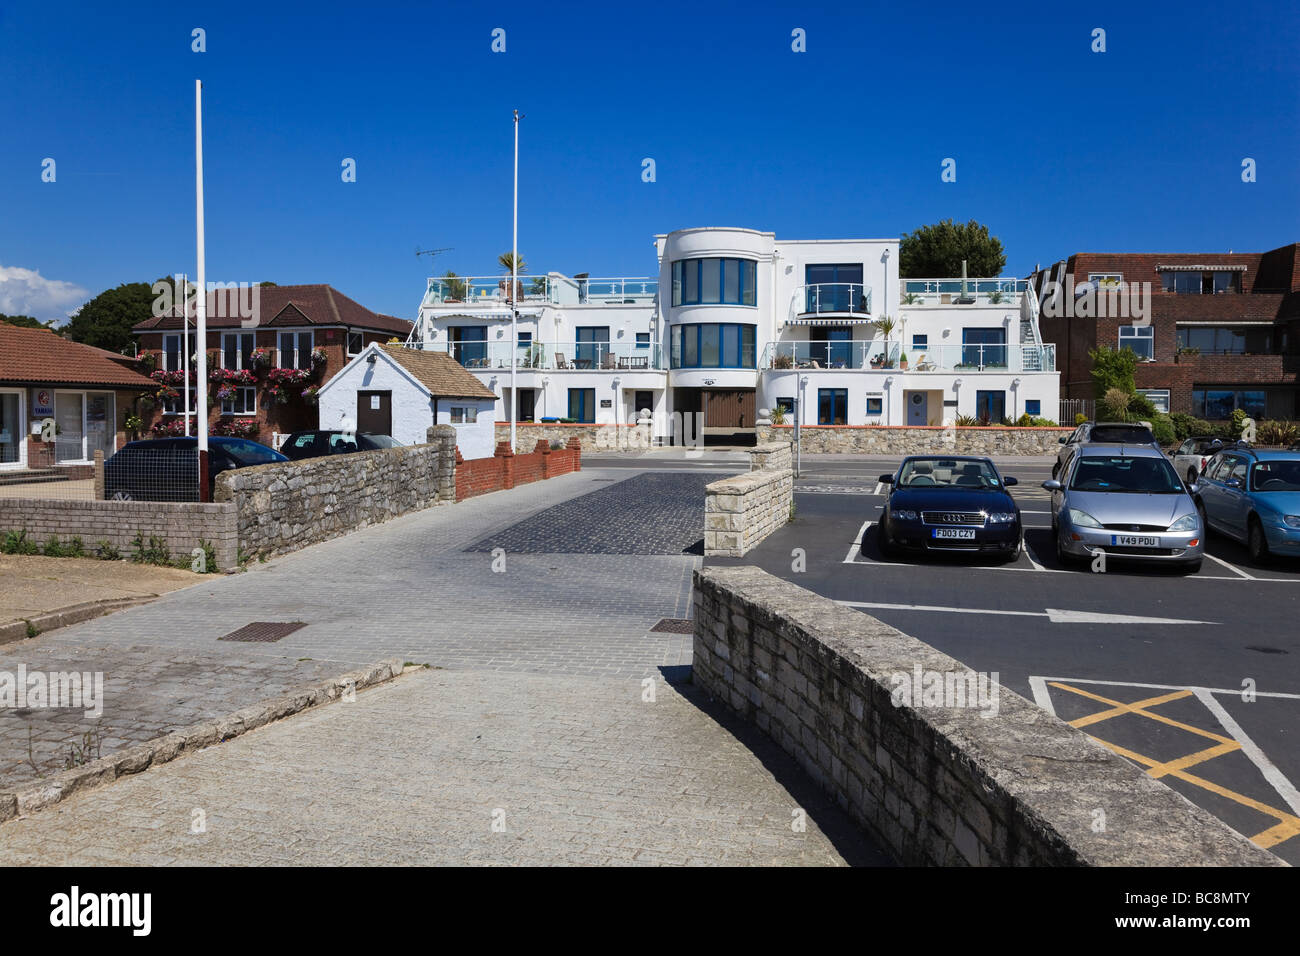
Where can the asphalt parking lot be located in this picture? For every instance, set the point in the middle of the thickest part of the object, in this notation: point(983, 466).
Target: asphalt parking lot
point(1152, 663)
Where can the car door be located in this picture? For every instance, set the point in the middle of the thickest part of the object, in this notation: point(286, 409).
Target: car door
point(1182, 457)
point(1236, 502)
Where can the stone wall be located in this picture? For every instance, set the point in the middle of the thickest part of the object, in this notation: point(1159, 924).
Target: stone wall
point(741, 511)
point(893, 440)
point(592, 437)
point(181, 525)
point(288, 505)
point(939, 785)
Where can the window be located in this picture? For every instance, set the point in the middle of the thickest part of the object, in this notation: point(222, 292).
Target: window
point(1106, 280)
point(990, 406)
point(1159, 397)
point(176, 406)
point(643, 399)
point(173, 356)
point(787, 403)
point(713, 345)
point(295, 350)
point(920, 341)
point(243, 402)
point(236, 348)
point(468, 344)
point(643, 340)
point(1140, 339)
point(983, 348)
point(1226, 339)
point(582, 405)
point(1209, 282)
point(85, 423)
point(714, 282)
point(592, 346)
point(1219, 404)
point(356, 343)
point(464, 414)
point(834, 287)
point(1033, 406)
point(875, 404)
point(832, 406)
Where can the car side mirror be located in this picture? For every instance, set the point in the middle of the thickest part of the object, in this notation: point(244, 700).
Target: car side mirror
point(886, 479)
point(1233, 482)
point(1194, 488)
point(1008, 482)
point(1052, 485)
point(1062, 440)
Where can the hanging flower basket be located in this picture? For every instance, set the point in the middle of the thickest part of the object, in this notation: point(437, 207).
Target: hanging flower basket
point(260, 358)
point(236, 427)
point(169, 429)
point(310, 393)
point(318, 356)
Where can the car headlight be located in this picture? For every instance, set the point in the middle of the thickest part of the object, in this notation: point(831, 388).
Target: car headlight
point(904, 515)
point(1001, 517)
point(1082, 519)
point(1291, 521)
point(1187, 522)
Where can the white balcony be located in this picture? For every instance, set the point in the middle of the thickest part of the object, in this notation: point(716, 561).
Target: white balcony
point(974, 292)
point(869, 355)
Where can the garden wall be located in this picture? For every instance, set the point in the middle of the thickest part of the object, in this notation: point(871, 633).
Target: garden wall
point(592, 437)
point(902, 440)
point(504, 469)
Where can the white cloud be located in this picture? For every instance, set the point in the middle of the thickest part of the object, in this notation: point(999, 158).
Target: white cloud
point(27, 292)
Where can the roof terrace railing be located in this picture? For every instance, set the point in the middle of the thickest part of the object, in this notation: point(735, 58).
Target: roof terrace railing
point(963, 291)
point(552, 288)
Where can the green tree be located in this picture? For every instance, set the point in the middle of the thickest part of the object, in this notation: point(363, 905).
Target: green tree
point(937, 251)
point(106, 320)
point(1112, 368)
point(506, 259)
point(26, 321)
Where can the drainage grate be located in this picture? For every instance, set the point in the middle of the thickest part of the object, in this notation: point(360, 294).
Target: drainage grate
point(675, 625)
point(264, 632)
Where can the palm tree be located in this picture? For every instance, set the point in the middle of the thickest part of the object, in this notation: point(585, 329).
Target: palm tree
point(507, 260)
point(886, 324)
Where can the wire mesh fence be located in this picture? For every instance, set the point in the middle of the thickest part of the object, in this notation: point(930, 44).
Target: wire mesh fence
point(141, 471)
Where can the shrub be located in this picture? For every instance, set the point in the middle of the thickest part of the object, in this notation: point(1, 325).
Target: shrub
point(155, 552)
point(1113, 405)
point(105, 551)
point(1163, 429)
point(1271, 432)
point(52, 548)
point(17, 542)
point(967, 421)
point(1112, 369)
point(1080, 418)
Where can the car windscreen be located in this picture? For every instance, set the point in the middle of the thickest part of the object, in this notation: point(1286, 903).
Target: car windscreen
point(1121, 433)
point(1124, 473)
point(382, 441)
point(250, 452)
point(947, 473)
point(1276, 475)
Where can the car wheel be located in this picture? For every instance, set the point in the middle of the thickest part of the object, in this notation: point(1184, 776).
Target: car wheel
point(1015, 552)
point(1205, 519)
point(1256, 543)
point(122, 496)
point(887, 547)
point(1064, 559)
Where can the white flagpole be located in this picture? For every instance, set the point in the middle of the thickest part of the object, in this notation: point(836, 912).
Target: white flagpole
point(201, 302)
point(514, 294)
point(185, 350)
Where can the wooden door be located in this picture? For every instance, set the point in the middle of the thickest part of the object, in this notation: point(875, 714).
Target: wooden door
point(375, 413)
point(731, 408)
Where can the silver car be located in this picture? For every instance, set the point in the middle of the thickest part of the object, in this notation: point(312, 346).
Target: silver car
point(1126, 502)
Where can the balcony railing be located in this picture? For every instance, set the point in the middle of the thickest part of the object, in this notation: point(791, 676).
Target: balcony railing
point(863, 354)
point(963, 291)
point(554, 356)
point(845, 298)
point(553, 289)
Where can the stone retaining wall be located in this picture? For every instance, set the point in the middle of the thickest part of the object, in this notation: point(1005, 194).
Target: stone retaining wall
point(288, 505)
point(592, 437)
point(741, 511)
point(180, 525)
point(893, 440)
point(941, 785)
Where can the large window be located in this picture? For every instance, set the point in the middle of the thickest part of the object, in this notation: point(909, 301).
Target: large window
point(592, 350)
point(1218, 404)
point(1159, 398)
point(172, 354)
point(295, 350)
point(85, 424)
point(982, 348)
point(1226, 339)
point(236, 349)
point(1208, 282)
point(834, 287)
point(713, 345)
point(714, 282)
point(582, 404)
point(1140, 339)
point(468, 344)
point(991, 406)
point(242, 402)
point(832, 406)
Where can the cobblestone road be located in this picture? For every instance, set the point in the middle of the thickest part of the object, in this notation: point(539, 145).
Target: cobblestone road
point(577, 770)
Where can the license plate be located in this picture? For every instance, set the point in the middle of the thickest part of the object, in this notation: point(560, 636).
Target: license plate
point(959, 534)
point(1135, 540)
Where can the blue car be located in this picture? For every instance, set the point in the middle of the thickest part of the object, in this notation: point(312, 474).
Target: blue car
point(1253, 496)
point(949, 503)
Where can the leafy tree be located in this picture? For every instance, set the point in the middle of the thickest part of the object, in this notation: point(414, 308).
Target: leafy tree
point(506, 259)
point(106, 320)
point(455, 285)
point(1112, 368)
point(26, 321)
point(937, 251)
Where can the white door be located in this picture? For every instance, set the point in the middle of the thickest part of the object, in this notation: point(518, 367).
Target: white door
point(69, 442)
point(13, 436)
point(917, 409)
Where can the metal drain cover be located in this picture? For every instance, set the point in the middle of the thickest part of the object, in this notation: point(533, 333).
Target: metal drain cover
point(675, 625)
point(264, 632)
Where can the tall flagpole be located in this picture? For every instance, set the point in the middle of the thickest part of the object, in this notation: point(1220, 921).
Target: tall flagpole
point(201, 301)
point(185, 350)
point(514, 294)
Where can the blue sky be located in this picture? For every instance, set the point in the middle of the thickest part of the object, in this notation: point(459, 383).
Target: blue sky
point(1058, 149)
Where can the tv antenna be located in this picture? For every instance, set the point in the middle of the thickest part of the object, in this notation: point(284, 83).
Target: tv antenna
point(431, 252)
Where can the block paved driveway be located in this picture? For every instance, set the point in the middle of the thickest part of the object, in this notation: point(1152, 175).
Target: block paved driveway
point(535, 657)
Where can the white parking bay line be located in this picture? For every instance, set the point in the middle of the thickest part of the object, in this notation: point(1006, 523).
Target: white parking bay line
point(856, 546)
point(1042, 696)
point(1266, 767)
point(1231, 567)
point(1055, 615)
point(879, 489)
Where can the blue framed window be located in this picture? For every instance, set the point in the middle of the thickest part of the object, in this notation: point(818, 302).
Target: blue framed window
point(875, 405)
point(1033, 407)
point(715, 282)
point(592, 345)
point(582, 405)
point(991, 407)
point(643, 340)
point(831, 346)
point(832, 406)
point(713, 345)
point(786, 402)
point(468, 344)
point(834, 287)
point(982, 348)
point(920, 340)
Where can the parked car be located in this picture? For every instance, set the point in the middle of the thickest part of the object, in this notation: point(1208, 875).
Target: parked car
point(1191, 457)
point(315, 444)
point(1253, 496)
point(1104, 433)
point(952, 503)
point(1127, 502)
point(167, 469)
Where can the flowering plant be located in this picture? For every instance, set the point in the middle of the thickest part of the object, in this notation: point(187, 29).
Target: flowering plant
point(170, 428)
point(310, 393)
point(231, 376)
point(260, 357)
point(318, 355)
point(236, 427)
point(163, 377)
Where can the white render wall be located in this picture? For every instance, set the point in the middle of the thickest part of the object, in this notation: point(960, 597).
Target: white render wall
point(475, 439)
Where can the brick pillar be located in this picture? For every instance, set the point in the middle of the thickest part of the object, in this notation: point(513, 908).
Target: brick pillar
point(544, 449)
point(99, 475)
point(507, 464)
point(575, 444)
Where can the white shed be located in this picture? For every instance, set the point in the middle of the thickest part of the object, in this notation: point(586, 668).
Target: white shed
point(393, 390)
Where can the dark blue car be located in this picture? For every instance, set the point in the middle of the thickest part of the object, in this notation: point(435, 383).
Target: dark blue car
point(949, 503)
point(167, 469)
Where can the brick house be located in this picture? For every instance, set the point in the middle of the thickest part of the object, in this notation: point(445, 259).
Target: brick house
point(1224, 329)
point(86, 391)
point(260, 362)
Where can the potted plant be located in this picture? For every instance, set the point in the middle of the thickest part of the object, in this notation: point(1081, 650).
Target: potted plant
point(783, 361)
point(902, 361)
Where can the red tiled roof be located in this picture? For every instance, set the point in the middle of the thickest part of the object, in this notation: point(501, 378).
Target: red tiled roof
point(286, 305)
point(38, 356)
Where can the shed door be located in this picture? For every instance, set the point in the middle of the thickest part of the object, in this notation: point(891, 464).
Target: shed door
point(375, 413)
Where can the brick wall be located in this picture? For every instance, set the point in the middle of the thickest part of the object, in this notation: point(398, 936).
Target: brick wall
point(934, 784)
point(504, 469)
point(181, 525)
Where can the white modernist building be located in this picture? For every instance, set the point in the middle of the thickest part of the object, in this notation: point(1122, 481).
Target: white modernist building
point(738, 321)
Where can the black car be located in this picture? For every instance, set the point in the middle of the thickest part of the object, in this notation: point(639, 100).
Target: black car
point(167, 469)
point(949, 503)
point(321, 442)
